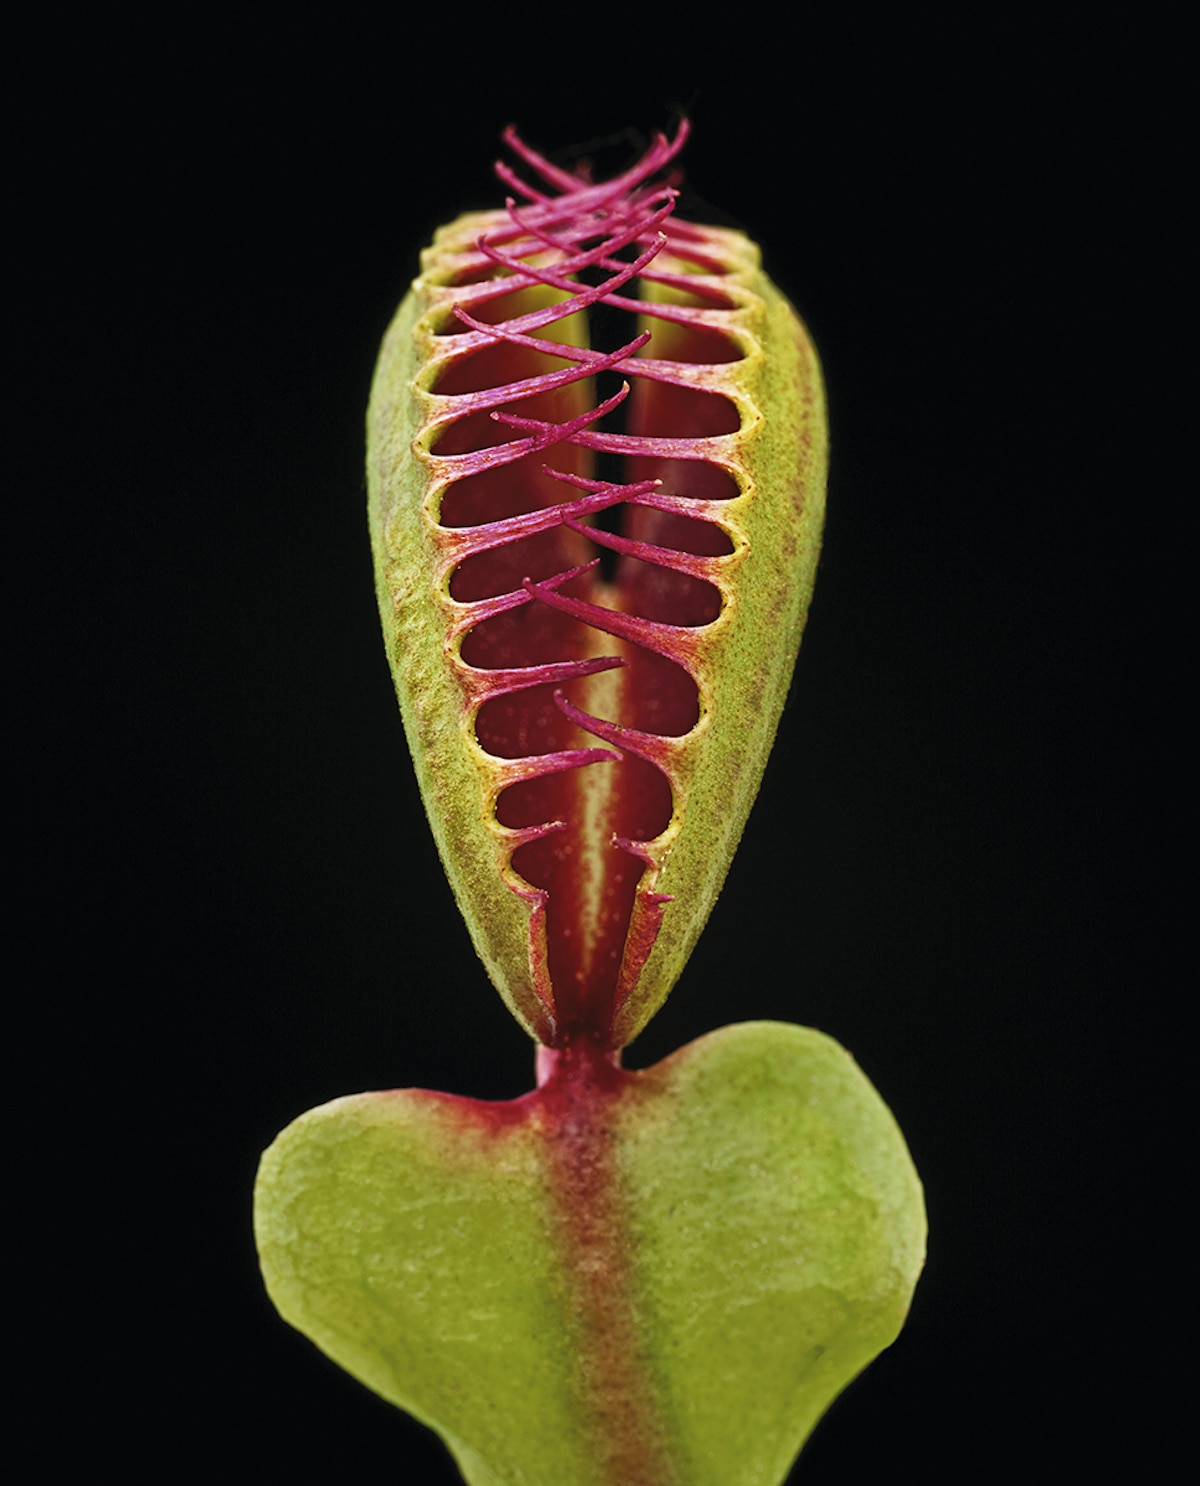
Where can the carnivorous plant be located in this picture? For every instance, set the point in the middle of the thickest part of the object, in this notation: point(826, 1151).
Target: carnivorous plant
point(597, 453)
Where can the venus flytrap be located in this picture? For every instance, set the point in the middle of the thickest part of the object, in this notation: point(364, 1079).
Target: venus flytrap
point(596, 465)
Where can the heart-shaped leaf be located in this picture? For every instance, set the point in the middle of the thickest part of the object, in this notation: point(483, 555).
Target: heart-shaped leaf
point(623, 1279)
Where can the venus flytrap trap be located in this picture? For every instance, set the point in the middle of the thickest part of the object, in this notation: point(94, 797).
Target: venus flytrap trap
point(596, 464)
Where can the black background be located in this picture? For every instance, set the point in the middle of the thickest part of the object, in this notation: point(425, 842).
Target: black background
point(224, 221)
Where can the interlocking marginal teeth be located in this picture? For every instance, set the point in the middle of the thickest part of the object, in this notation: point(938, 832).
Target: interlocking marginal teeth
point(654, 747)
point(594, 361)
point(465, 541)
point(478, 610)
point(546, 434)
point(674, 641)
point(538, 765)
point(686, 635)
point(629, 229)
point(707, 568)
point(481, 684)
point(661, 152)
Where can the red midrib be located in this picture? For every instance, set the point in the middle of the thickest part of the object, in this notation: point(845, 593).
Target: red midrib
point(621, 1397)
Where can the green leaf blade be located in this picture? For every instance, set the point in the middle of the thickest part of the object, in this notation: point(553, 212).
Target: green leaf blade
point(773, 1230)
point(781, 1233)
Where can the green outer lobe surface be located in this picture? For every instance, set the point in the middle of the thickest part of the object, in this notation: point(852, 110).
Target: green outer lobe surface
point(774, 1232)
point(454, 774)
point(781, 460)
point(744, 659)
